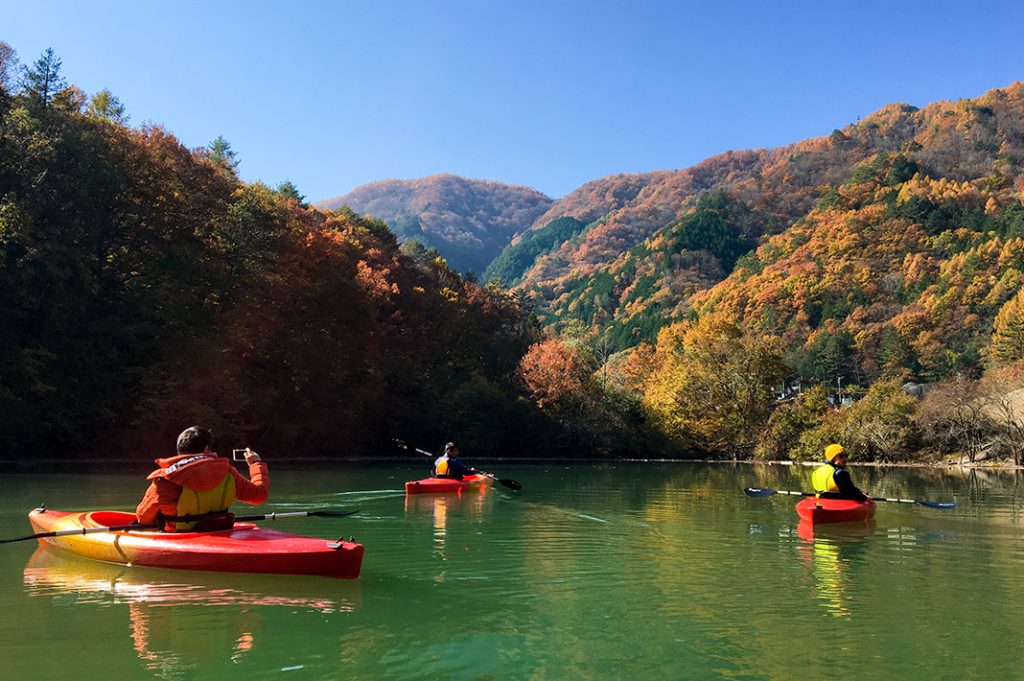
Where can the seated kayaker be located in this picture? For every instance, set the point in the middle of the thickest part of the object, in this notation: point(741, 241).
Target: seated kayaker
point(448, 465)
point(193, 490)
point(831, 479)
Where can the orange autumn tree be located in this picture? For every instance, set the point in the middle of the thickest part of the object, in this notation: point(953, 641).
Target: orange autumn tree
point(554, 374)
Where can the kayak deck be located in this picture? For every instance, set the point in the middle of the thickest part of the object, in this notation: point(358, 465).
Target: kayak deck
point(470, 483)
point(243, 548)
point(820, 510)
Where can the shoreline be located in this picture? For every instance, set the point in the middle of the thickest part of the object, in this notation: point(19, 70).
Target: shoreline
point(9, 466)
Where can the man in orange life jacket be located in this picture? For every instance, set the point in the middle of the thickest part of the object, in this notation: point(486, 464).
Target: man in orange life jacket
point(193, 490)
point(832, 480)
point(448, 465)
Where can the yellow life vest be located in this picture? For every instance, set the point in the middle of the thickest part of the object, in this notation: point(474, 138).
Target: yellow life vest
point(193, 502)
point(823, 479)
point(441, 466)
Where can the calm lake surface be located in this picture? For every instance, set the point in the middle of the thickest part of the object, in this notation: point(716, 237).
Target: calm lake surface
point(635, 571)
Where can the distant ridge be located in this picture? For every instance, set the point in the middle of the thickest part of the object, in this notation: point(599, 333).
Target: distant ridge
point(468, 221)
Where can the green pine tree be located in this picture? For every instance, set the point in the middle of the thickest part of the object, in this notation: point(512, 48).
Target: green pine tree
point(223, 156)
point(105, 104)
point(290, 191)
point(42, 81)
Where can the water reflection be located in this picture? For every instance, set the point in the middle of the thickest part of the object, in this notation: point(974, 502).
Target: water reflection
point(168, 634)
point(440, 507)
point(51, 572)
point(828, 551)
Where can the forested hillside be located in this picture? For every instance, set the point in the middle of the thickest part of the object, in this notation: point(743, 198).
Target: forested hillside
point(145, 288)
point(910, 269)
point(633, 269)
point(468, 221)
point(864, 287)
point(759, 290)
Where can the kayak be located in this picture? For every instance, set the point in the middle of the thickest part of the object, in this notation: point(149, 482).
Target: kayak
point(470, 483)
point(824, 510)
point(243, 548)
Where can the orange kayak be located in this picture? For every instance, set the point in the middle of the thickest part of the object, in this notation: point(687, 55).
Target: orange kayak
point(470, 483)
point(243, 548)
point(820, 510)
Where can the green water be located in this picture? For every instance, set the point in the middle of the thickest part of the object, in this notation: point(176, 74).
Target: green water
point(636, 571)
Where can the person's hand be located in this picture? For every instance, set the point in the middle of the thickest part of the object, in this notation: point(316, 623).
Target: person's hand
point(251, 457)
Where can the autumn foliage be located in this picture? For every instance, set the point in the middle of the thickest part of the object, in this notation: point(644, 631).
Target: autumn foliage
point(144, 288)
point(552, 373)
point(865, 287)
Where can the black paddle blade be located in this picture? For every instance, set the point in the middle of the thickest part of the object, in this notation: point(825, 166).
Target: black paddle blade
point(936, 504)
point(511, 484)
point(334, 514)
point(25, 538)
point(757, 492)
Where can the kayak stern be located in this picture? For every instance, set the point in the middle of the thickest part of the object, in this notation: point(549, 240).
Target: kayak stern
point(470, 483)
point(820, 510)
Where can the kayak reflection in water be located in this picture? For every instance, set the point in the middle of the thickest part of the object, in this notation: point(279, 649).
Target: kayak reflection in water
point(829, 552)
point(831, 480)
point(448, 465)
point(193, 490)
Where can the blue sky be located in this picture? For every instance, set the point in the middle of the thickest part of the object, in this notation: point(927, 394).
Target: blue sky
point(331, 95)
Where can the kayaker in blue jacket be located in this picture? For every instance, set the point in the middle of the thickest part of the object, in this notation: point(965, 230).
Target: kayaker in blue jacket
point(448, 465)
point(831, 479)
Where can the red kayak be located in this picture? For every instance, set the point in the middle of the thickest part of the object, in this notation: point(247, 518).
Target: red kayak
point(470, 483)
point(818, 510)
point(243, 548)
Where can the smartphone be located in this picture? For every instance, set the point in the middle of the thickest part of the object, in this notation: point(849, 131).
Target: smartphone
point(238, 454)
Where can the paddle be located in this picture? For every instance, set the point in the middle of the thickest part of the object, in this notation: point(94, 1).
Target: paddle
point(511, 484)
point(297, 514)
point(757, 492)
point(136, 526)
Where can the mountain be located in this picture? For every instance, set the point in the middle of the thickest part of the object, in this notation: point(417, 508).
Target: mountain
point(913, 264)
point(468, 221)
point(642, 249)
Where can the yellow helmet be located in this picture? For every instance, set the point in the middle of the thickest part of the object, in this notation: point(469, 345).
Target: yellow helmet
point(832, 451)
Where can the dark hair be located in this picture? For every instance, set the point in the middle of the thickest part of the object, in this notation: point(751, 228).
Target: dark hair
point(194, 440)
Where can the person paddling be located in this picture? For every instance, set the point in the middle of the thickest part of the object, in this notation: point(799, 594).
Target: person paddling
point(193, 490)
point(448, 465)
point(831, 480)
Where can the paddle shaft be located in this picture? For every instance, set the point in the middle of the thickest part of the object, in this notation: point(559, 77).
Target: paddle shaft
point(81, 530)
point(297, 514)
point(759, 492)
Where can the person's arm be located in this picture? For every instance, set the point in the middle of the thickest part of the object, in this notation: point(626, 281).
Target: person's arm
point(256, 488)
point(846, 487)
point(148, 508)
